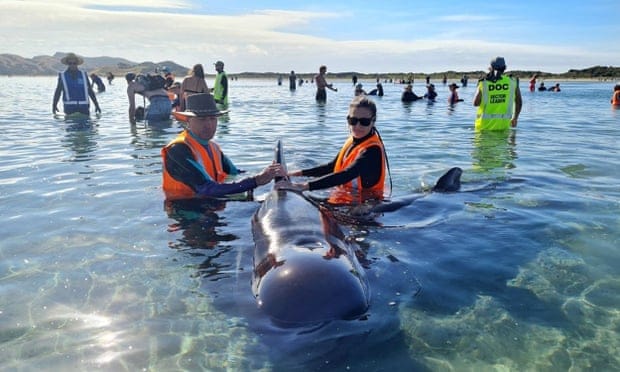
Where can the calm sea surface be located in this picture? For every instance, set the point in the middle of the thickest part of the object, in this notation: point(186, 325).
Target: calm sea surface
point(520, 270)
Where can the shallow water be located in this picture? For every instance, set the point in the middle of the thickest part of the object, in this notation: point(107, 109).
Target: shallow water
point(518, 271)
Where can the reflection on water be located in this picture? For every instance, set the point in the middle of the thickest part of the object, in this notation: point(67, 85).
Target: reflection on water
point(81, 139)
point(494, 150)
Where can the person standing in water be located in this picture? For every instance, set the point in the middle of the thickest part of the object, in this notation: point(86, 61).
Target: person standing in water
point(321, 84)
point(74, 87)
point(292, 81)
point(220, 87)
point(498, 99)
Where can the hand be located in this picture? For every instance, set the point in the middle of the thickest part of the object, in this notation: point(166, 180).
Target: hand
point(513, 123)
point(54, 109)
point(268, 174)
point(98, 110)
point(288, 185)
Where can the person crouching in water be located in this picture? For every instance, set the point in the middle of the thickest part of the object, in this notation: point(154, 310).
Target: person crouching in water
point(360, 167)
point(195, 166)
point(159, 108)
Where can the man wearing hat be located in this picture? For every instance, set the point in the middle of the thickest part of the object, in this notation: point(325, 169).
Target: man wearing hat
point(220, 87)
point(498, 99)
point(454, 95)
point(195, 166)
point(75, 88)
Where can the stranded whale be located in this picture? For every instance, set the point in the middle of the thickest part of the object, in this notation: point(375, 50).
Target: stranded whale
point(305, 270)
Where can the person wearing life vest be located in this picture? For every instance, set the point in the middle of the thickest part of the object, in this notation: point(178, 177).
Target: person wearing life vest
point(220, 87)
point(194, 166)
point(498, 99)
point(615, 99)
point(359, 169)
point(75, 88)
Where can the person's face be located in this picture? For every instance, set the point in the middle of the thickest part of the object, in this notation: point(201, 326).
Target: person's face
point(203, 126)
point(358, 130)
point(72, 65)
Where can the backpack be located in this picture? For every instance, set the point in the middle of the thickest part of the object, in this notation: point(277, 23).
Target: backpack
point(151, 82)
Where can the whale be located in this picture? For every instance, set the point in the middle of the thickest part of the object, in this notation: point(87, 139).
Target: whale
point(305, 270)
point(449, 182)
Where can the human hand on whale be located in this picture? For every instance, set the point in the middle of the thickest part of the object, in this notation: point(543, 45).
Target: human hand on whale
point(270, 172)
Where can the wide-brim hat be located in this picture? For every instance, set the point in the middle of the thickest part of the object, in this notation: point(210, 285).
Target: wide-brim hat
point(71, 57)
point(201, 104)
point(453, 85)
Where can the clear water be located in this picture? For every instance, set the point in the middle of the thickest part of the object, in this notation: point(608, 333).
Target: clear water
point(518, 271)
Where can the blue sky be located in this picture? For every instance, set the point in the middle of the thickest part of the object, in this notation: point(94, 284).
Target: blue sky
point(278, 36)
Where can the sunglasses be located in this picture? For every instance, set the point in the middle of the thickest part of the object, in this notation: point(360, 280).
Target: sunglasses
point(365, 122)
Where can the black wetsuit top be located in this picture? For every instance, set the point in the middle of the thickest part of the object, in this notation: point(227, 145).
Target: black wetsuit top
point(364, 166)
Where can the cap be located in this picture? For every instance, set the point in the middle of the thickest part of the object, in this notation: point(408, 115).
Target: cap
point(498, 63)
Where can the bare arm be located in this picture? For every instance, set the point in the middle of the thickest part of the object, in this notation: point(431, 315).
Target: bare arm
point(518, 105)
point(56, 96)
point(131, 95)
point(93, 97)
point(478, 97)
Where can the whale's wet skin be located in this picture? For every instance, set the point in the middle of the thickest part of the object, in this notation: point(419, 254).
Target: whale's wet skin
point(305, 270)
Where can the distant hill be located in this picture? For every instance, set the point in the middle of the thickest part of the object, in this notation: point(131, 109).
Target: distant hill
point(11, 64)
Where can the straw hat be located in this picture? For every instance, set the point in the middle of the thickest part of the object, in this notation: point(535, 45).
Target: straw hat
point(71, 57)
point(201, 104)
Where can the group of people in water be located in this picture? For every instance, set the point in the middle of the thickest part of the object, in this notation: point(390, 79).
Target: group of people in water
point(195, 166)
point(541, 86)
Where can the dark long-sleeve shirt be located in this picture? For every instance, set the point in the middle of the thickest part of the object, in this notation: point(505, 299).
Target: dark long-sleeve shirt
point(365, 166)
point(183, 167)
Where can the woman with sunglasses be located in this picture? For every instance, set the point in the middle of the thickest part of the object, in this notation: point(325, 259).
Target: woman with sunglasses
point(359, 168)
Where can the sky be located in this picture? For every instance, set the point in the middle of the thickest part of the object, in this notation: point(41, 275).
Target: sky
point(284, 35)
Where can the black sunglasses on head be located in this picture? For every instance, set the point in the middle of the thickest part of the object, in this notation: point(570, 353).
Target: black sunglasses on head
point(365, 122)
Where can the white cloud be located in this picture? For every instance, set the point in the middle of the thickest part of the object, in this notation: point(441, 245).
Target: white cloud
point(258, 41)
